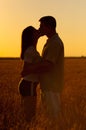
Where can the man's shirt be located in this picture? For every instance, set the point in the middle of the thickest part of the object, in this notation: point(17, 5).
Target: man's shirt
point(53, 51)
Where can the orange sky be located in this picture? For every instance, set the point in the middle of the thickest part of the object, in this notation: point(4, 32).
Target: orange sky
point(16, 15)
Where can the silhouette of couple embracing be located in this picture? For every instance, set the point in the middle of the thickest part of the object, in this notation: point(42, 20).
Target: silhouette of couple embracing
point(46, 70)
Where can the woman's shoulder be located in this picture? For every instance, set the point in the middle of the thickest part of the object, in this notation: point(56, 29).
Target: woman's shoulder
point(31, 51)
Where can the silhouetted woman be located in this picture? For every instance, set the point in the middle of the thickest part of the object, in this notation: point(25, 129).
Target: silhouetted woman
point(28, 83)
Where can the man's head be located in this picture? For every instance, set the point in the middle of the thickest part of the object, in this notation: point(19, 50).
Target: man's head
point(47, 25)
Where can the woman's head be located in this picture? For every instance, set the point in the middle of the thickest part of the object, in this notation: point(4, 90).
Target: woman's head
point(29, 38)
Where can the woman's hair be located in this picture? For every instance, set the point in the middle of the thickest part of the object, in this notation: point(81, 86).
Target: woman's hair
point(27, 39)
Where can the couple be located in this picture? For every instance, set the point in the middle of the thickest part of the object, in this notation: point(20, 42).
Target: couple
point(47, 70)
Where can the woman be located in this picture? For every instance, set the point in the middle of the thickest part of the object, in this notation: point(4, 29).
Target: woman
point(28, 84)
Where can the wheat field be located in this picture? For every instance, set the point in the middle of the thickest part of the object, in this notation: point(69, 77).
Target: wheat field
point(73, 98)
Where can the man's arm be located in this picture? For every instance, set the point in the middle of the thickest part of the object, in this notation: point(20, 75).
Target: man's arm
point(41, 67)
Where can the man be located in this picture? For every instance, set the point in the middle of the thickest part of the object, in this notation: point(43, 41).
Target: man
point(51, 67)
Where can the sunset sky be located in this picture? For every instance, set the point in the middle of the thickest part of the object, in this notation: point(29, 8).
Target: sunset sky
point(70, 15)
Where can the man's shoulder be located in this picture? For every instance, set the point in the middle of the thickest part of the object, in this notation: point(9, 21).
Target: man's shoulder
point(58, 40)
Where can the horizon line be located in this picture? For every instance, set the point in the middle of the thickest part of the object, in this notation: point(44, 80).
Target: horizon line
point(64, 57)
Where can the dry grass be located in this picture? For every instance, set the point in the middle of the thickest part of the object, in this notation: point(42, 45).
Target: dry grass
point(73, 113)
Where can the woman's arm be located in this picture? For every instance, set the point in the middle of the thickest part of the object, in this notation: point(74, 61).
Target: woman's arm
point(41, 67)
